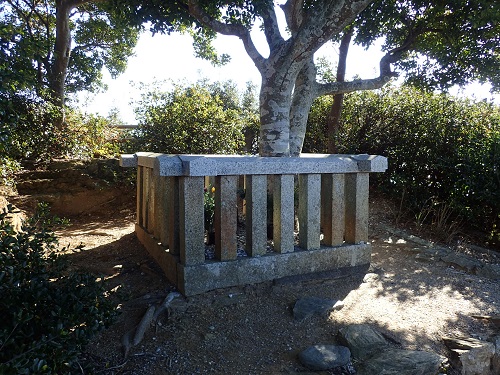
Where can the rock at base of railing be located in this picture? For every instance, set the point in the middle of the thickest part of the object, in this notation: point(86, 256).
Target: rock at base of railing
point(200, 278)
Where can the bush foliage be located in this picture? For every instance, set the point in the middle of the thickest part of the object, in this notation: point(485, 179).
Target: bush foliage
point(197, 119)
point(28, 131)
point(440, 149)
point(27, 128)
point(47, 313)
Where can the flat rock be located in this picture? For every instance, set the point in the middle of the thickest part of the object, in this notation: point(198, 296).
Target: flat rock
point(402, 362)
point(425, 257)
point(465, 263)
point(325, 357)
point(309, 306)
point(490, 271)
point(493, 319)
point(362, 340)
point(495, 362)
point(473, 356)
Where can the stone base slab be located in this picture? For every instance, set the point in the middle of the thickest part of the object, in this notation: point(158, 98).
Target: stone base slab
point(214, 274)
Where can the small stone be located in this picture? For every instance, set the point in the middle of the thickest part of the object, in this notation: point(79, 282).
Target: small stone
point(339, 305)
point(425, 257)
point(209, 336)
point(362, 340)
point(325, 357)
point(370, 277)
point(309, 306)
point(493, 319)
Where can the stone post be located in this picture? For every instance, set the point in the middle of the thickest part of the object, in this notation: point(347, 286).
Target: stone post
point(283, 213)
point(140, 196)
point(192, 229)
point(145, 197)
point(256, 214)
point(356, 220)
point(333, 209)
point(309, 211)
point(225, 217)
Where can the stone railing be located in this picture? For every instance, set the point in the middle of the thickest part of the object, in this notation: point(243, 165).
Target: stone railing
point(332, 212)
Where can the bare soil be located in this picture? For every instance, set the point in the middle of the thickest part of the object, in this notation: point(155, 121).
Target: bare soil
point(250, 329)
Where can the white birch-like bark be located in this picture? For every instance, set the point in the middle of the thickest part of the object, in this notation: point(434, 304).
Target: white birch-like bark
point(303, 97)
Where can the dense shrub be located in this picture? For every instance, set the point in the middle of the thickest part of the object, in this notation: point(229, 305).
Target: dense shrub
point(441, 149)
point(47, 313)
point(90, 135)
point(188, 120)
point(28, 131)
point(27, 127)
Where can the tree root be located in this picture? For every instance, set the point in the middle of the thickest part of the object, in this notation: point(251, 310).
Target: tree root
point(134, 336)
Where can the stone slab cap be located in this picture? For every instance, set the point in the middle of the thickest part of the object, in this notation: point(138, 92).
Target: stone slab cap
point(371, 163)
point(217, 165)
point(147, 159)
point(128, 160)
point(168, 165)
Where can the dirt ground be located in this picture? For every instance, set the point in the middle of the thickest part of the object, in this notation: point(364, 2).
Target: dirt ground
point(250, 329)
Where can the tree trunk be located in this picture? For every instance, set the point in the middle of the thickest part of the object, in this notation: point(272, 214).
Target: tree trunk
point(303, 96)
point(62, 50)
point(333, 119)
point(275, 101)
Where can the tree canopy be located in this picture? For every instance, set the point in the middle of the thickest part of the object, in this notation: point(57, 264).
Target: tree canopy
point(36, 51)
point(438, 44)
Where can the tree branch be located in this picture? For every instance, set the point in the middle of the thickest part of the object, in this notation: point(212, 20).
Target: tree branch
point(76, 3)
point(326, 20)
point(88, 46)
point(358, 84)
point(271, 30)
point(294, 14)
point(227, 29)
point(37, 14)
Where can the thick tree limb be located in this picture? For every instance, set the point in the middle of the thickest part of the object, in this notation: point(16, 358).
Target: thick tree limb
point(303, 97)
point(227, 29)
point(356, 85)
point(326, 20)
point(386, 74)
point(271, 29)
point(294, 14)
point(333, 119)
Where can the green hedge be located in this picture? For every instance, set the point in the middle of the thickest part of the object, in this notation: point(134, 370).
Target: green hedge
point(441, 150)
point(188, 120)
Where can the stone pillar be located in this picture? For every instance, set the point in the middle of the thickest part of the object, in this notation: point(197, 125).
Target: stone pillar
point(309, 211)
point(283, 213)
point(145, 198)
point(356, 220)
point(140, 196)
point(191, 224)
point(151, 202)
point(256, 214)
point(225, 217)
point(172, 215)
point(240, 200)
point(333, 209)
